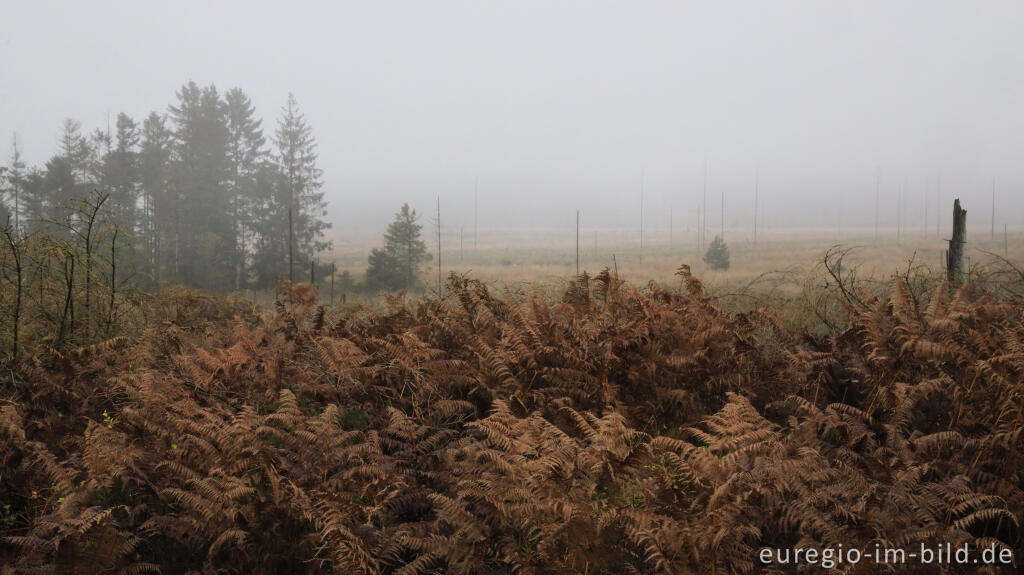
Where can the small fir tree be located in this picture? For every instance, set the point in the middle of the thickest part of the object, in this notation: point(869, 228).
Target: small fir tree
point(717, 256)
point(397, 264)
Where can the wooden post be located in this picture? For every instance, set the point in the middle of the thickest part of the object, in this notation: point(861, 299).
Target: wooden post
point(641, 217)
point(439, 245)
point(670, 228)
point(925, 226)
point(878, 183)
point(704, 206)
point(698, 228)
point(957, 252)
point(577, 242)
point(756, 180)
point(899, 213)
point(723, 214)
point(476, 186)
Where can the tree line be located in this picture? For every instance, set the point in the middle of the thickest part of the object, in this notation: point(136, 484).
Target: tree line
point(197, 194)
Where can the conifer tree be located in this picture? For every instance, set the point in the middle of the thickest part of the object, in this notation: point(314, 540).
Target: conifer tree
point(270, 227)
point(397, 264)
point(204, 238)
point(246, 156)
point(65, 179)
point(717, 256)
point(15, 183)
point(157, 204)
point(119, 171)
point(60, 188)
point(33, 199)
point(300, 181)
point(75, 149)
point(6, 213)
point(198, 200)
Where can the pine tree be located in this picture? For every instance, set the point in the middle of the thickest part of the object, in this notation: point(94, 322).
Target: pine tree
point(397, 264)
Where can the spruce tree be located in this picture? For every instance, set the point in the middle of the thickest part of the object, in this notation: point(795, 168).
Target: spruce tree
point(65, 179)
point(75, 149)
point(15, 184)
point(6, 212)
point(717, 256)
point(61, 187)
point(204, 238)
point(119, 172)
point(270, 242)
point(158, 209)
point(118, 177)
point(100, 144)
point(398, 264)
point(300, 182)
point(34, 198)
point(246, 158)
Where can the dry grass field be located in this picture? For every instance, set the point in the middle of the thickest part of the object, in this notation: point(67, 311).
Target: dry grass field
point(781, 259)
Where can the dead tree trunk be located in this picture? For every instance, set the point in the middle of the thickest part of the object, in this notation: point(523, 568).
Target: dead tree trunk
point(957, 251)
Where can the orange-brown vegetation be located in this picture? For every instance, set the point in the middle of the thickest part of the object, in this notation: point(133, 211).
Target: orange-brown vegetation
point(619, 430)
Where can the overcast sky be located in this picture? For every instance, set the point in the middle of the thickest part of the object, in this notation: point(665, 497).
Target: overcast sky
point(556, 106)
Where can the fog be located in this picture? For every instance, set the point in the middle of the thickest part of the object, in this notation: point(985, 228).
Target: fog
point(553, 107)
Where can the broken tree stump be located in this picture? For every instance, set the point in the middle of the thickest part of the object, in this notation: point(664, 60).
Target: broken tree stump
point(957, 254)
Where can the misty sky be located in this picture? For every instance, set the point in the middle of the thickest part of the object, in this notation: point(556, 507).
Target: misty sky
point(563, 105)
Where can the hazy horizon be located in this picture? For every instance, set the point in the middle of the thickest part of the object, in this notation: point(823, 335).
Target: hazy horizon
point(573, 105)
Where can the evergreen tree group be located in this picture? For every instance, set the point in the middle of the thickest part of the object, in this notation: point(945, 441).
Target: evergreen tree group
point(197, 194)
